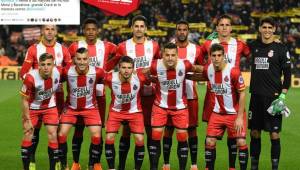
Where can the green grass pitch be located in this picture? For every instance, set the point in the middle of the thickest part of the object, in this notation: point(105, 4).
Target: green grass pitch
point(11, 134)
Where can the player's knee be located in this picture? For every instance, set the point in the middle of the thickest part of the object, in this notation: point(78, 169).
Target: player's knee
point(210, 142)
point(241, 142)
point(192, 132)
point(110, 136)
point(156, 134)
point(62, 139)
point(96, 140)
point(139, 141)
point(110, 139)
point(274, 135)
point(181, 136)
point(52, 135)
point(255, 133)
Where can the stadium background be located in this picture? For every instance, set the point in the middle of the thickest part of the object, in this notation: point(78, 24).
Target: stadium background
point(162, 15)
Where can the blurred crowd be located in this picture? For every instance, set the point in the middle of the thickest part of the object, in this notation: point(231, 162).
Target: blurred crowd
point(13, 45)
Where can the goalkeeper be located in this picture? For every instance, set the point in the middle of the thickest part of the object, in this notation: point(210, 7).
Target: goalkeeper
point(270, 60)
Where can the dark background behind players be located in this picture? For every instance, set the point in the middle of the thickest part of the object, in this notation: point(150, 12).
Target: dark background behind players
point(14, 44)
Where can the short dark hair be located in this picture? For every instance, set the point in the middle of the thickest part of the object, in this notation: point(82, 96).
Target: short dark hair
point(183, 22)
point(170, 45)
point(139, 18)
point(81, 50)
point(225, 16)
point(45, 56)
point(216, 47)
point(268, 20)
point(126, 59)
point(90, 21)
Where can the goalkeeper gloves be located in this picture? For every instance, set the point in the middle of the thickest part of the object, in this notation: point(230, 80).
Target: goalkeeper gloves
point(212, 36)
point(278, 106)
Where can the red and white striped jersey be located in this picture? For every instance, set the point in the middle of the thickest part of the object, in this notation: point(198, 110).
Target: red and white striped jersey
point(60, 53)
point(40, 91)
point(224, 86)
point(192, 53)
point(143, 54)
point(170, 88)
point(82, 88)
point(125, 96)
point(98, 53)
point(234, 49)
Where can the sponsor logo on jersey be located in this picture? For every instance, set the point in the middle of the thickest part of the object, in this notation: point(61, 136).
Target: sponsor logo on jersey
point(261, 63)
point(44, 94)
point(171, 84)
point(125, 98)
point(219, 89)
point(93, 61)
point(81, 91)
point(141, 62)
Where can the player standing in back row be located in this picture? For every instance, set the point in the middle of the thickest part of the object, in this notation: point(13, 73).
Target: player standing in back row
point(270, 61)
point(191, 52)
point(143, 51)
point(234, 50)
point(99, 53)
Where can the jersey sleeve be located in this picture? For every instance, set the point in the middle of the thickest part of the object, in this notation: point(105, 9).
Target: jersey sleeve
point(120, 51)
point(111, 49)
point(245, 49)
point(28, 62)
point(67, 61)
point(285, 59)
point(188, 65)
point(199, 56)
point(153, 70)
point(237, 79)
point(107, 79)
point(72, 49)
point(27, 86)
point(156, 51)
point(100, 75)
point(205, 74)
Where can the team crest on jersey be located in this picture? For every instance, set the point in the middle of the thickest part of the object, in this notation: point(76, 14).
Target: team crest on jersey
point(226, 79)
point(135, 87)
point(271, 53)
point(161, 73)
point(91, 81)
point(241, 80)
point(55, 81)
point(180, 73)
